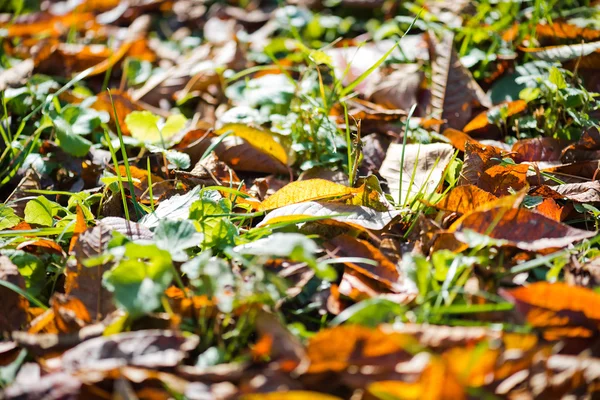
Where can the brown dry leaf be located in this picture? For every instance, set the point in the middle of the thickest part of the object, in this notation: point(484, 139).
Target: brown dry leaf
point(399, 89)
point(374, 148)
point(12, 306)
point(41, 246)
point(563, 311)
point(520, 228)
point(86, 283)
point(481, 121)
point(478, 158)
point(290, 395)
point(464, 199)
point(422, 171)
point(309, 190)
point(585, 192)
point(70, 313)
point(365, 111)
point(436, 382)
point(454, 92)
point(284, 348)
point(348, 246)
point(559, 297)
point(355, 216)
point(500, 179)
point(146, 348)
point(211, 171)
point(537, 149)
point(233, 150)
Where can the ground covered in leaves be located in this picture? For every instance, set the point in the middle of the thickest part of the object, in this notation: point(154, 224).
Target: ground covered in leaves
point(307, 200)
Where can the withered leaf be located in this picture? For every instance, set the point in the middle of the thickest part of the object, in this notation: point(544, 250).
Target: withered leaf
point(360, 216)
point(464, 199)
point(454, 92)
point(521, 228)
point(13, 306)
point(422, 170)
point(146, 348)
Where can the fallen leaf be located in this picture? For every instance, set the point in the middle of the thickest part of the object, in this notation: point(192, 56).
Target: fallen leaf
point(562, 53)
point(481, 121)
point(478, 158)
point(146, 348)
point(537, 149)
point(12, 310)
point(464, 199)
point(234, 151)
point(80, 227)
point(501, 179)
point(362, 217)
point(336, 349)
point(454, 92)
point(290, 395)
point(422, 170)
point(520, 228)
point(347, 246)
point(261, 139)
point(308, 190)
point(458, 139)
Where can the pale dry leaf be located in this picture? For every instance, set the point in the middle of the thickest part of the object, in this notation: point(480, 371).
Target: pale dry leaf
point(364, 217)
point(427, 161)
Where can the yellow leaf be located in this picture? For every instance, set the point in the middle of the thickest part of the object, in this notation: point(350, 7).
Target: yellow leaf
point(301, 191)
point(292, 395)
point(258, 138)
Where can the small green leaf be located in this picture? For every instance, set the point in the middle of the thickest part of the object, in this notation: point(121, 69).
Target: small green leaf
point(8, 218)
point(174, 124)
point(41, 211)
point(176, 237)
point(69, 141)
point(140, 278)
point(557, 78)
point(143, 126)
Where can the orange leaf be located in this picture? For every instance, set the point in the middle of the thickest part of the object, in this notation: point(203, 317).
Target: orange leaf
point(40, 245)
point(80, 227)
point(49, 25)
point(481, 121)
point(557, 297)
point(464, 199)
point(336, 349)
point(348, 246)
point(458, 138)
point(500, 178)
